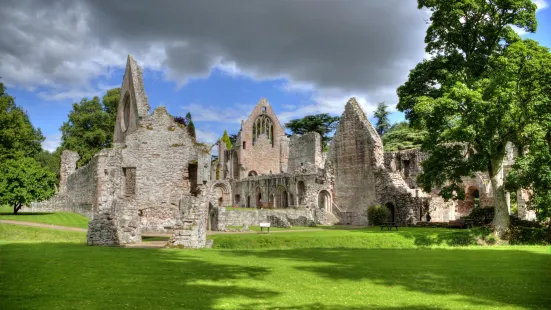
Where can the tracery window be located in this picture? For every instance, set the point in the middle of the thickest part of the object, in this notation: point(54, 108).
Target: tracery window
point(263, 125)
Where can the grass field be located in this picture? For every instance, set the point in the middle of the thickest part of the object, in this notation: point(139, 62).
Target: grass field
point(58, 271)
point(57, 218)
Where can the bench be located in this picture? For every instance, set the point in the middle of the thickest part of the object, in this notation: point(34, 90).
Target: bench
point(262, 225)
point(389, 225)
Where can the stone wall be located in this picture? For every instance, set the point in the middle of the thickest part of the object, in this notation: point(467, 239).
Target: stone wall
point(303, 150)
point(356, 151)
point(80, 191)
point(68, 166)
point(264, 156)
point(278, 218)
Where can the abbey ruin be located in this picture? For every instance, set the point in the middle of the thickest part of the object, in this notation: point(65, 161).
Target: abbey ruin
point(156, 178)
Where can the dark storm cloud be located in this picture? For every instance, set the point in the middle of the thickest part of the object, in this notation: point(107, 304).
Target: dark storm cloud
point(351, 45)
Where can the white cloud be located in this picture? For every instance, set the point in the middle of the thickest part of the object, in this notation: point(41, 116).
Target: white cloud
point(52, 142)
point(206, 136)
point(542, 4)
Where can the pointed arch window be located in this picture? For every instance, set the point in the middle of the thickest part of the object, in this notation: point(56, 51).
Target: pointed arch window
point(263, 126)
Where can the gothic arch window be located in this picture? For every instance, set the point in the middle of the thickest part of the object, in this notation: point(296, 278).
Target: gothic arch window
point(263, 126)
point(125, 121)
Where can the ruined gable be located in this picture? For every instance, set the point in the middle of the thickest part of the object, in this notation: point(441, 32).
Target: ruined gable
point(355, 152)
point(133, 104)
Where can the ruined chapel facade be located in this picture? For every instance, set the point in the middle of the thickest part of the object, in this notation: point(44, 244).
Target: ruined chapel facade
point(157, 178)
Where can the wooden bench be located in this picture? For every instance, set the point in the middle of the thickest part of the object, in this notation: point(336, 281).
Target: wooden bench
point(389, 225)
point(262, 225)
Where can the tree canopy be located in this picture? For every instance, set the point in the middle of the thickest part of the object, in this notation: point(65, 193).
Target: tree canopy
point(190, 126)
point(90, 126)
point(383, 124)
point(18, 137)
point(401, 136)
point(324, 124)
point(23, 180)
point(458, 95)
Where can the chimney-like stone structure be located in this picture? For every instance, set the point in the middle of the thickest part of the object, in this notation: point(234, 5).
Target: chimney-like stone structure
point(68, 165)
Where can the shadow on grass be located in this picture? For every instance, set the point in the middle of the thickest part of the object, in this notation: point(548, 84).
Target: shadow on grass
point(474, 276)
point(60, 276)
point(23, 214)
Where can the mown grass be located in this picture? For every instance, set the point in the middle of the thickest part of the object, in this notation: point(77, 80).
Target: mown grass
point(58, 274)
point(55, 218)
point(370, 237)
point(257, 228)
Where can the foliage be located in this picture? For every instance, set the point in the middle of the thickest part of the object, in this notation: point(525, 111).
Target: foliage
point(50, 160)
point(324, 124)
point(90, 126)
point(180, 120)
point(23, 181)
point(482, 216)
point(377, 214)
point(226, 140)
point(233, 139)
point(466, 95)
point(18, 137)
point(401, 136)
point(383, 124)
point(190, 126)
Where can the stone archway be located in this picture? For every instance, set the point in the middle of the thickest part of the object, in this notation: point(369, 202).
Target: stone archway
point(282, 199)
point(211, 221)
point(252, 173)
point(324, 201)
point(222, 194)
point(237, 199)
point(301, 192)
point(235, 165)
point(248, 201)
point(471, 201)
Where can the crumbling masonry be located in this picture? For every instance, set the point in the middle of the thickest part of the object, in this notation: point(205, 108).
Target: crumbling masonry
point(157, 178)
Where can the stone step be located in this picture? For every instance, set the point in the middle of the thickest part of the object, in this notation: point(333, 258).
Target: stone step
point(331, 219)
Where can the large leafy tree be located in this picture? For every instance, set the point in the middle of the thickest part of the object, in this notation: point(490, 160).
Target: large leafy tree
point(383, 124)
point(88, 130)
point(190, 126)
point(18, 137)
point(401, 136)
point(526, 77)
point(23, 181)
point(324, 124)
point(456, 97)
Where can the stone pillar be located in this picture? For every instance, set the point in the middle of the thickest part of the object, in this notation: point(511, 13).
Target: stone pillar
point(68, 166)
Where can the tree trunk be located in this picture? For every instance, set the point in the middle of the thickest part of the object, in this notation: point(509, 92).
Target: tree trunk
point(501, 217)
point(16, 207)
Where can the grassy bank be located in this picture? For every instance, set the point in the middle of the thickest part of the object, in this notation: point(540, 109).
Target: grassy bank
point(55, 218)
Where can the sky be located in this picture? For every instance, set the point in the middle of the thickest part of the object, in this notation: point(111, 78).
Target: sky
point(215, 59)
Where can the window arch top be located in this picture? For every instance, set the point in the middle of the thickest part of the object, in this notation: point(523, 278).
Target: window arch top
point(263, 125)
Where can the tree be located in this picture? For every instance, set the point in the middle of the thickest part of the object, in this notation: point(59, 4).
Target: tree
point(88, 130)
point(233, 139)
point(110, 104)
point(226, 140)
point(381, 114)
point(323, 124)
point(50, 160)
point(401, 136)
point(23, 180)
point(456, 97)
point(18, 137)
point(190, 126)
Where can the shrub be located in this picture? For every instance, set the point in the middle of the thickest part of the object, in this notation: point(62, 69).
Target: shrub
point(377, 214)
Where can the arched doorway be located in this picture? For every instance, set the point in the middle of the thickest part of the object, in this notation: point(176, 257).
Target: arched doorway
point(301, 191)
point(324, 201)
point(252, 173)
point(471, 201)
point(223, 197)
point(282, 199)
point(248, 201)
point(292, 202)
point(237, 199)
point(258, 200)
point(391, 212)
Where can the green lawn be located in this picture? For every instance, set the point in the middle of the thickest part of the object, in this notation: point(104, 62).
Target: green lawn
point(58, 274)
point(55, 218)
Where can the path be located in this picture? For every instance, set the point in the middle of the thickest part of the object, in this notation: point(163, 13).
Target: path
point(42, 225)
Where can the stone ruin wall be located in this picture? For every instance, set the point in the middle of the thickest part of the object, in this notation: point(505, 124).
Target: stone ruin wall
point(355, 152)
point(305, 150)
point(78, 190)
point(223, 219)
